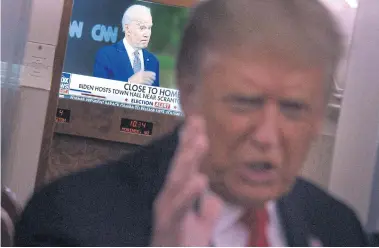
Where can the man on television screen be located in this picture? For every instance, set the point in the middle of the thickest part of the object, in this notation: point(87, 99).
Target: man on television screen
point(128, 60)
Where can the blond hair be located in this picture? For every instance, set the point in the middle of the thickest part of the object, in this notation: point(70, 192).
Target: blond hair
point(303, 31)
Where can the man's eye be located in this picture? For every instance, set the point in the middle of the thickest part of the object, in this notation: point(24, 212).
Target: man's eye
point(247, 104)
point(292, 109)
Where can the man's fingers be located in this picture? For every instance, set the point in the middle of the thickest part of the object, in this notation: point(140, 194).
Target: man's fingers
point(188, 157)
point(184, 201)
point(210, 210)
point(150, 73)
point(192, 140)
point(172, 209)
point(150, 79)
point(184, 184)
point(193, 129)
point(147, 82)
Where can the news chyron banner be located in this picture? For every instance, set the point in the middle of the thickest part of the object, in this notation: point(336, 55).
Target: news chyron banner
point(120, 94)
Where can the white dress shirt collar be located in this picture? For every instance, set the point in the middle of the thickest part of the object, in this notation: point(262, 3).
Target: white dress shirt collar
point(130, 50)
point(230, 231)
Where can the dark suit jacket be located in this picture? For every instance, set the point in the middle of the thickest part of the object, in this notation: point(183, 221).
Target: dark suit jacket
point(111, 205)
point(112, 62)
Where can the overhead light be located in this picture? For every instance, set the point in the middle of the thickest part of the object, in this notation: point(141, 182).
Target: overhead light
point(352, 3)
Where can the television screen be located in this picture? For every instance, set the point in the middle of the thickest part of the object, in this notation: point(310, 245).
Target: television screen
point(122, 53)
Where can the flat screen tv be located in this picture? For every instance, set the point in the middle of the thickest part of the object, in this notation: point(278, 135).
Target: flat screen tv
point(124, 60)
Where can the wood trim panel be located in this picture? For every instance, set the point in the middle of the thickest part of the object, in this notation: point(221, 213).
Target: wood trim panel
point(99, 121)
point(48, 130)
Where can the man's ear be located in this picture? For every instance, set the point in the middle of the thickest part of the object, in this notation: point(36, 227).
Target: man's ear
point(126, 29)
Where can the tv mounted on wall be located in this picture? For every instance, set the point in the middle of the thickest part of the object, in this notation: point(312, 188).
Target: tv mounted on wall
point(99, 64)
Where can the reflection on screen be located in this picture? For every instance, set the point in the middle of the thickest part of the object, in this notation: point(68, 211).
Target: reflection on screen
point(122, 53)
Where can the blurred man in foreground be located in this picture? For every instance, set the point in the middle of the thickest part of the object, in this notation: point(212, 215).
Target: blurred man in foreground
point(128, 60)
point(254, 77)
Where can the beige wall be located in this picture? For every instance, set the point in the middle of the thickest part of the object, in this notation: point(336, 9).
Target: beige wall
point(318, 164)
point(352, 173)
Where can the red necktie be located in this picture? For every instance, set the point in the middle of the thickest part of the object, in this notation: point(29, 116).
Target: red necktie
point(258, 235)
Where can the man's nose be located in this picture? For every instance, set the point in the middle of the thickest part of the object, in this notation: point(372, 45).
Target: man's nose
point(266, 133)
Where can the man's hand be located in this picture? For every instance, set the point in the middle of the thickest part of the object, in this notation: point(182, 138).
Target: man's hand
point(176, 220)
point(143, 77)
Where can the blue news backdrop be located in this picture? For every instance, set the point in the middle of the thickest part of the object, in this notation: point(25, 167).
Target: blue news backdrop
point(94, 24)
point(97, 23)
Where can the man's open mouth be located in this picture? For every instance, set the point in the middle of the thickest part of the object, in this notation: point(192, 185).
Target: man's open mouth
point(261, 166)
point(259, 172)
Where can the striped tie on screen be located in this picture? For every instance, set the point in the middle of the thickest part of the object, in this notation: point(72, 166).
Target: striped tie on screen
point(136, 62)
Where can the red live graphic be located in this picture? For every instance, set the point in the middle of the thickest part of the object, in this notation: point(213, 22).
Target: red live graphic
point(162, 105)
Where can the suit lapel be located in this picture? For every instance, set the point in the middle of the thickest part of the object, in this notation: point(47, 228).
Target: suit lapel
point(125, 62)
point(146, 60)
point(293, 220)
